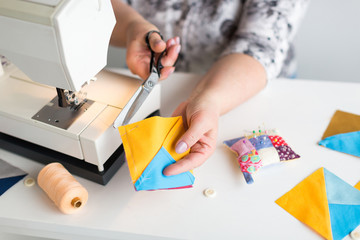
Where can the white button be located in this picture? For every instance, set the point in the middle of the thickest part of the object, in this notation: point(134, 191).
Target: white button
point(355, 235)
point(209, 192)
point(29, 182)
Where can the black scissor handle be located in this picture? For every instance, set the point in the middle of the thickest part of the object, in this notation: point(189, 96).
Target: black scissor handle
point(147, 38)
point(157, 65)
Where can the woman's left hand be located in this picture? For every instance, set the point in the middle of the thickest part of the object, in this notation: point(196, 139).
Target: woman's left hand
point(201, 124)
point(237, 77)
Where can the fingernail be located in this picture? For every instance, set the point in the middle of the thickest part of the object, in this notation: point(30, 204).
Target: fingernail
point(177, 40)
point(157, 42)
point(181, 147)
point(178, 48)
point(172, 42)
point(166, 172)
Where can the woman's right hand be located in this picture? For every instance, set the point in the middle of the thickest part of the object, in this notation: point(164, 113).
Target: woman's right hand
point(138, 54)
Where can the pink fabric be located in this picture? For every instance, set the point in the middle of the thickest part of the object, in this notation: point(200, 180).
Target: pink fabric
point(242, 147)
point(250, 162)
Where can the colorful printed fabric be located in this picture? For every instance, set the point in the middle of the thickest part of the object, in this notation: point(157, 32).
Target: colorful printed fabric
point(325, 203)
point(277, 141)
point(286, 153)
point(150, 147)
point(9, 176)
point(343, 133)
point(259, 150)
point(249, 164)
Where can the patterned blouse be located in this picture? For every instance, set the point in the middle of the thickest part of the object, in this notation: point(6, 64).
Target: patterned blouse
point(209, 29)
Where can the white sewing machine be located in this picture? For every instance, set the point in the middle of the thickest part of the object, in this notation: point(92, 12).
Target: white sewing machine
point(55, 48)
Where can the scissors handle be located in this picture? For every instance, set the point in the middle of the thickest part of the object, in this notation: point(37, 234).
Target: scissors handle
point(154, 67)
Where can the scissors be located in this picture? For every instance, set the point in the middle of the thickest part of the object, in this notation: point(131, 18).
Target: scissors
point(144, 90)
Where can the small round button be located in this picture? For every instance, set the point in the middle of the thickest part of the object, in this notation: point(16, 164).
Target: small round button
point(355, 235)
point(209, 192)
point(29, 182)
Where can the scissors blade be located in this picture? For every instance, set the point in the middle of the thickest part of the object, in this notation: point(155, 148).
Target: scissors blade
point(136, 101)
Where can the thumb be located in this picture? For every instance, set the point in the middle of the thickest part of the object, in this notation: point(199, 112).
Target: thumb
point(157, 44)
point(197, 128)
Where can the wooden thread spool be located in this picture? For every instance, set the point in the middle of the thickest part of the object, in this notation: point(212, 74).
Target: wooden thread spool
point(62, 188)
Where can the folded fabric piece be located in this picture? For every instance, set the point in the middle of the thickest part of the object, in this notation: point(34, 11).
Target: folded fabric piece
point(325, 203)
point(150, 147)
point(343, 133)
point(258, 150)
point(9, 175)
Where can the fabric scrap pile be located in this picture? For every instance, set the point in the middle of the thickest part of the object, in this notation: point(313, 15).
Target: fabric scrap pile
point(260, 149)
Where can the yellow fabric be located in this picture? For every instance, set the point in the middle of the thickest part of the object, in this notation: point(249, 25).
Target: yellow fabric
point(142, 140)
point(307, 202)
point(357, 186)
point(342, 122)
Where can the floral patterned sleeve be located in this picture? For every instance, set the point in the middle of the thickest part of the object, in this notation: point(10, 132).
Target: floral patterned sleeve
point(265, 31)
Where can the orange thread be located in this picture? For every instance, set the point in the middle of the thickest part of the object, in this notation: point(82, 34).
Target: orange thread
point(62, 188)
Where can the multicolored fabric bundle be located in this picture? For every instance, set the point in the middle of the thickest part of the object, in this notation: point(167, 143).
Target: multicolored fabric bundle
point(325, 203)
point(258, 150)
point(150, 147)
point(343, 133)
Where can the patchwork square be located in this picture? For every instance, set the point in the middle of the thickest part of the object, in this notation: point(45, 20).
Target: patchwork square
point(277, 141)
point(242, 147)
point(260, 142)
point(269, 155)
point(343, 133)
point(250, 162)
point(258, 150)
point(286, 153)
point(149, 148)
point(325, 203)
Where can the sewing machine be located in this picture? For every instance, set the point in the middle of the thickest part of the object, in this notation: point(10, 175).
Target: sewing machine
point(56, 102)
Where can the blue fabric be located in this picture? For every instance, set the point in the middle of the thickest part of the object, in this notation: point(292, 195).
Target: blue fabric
point(345, 142)
point(344, 219)
point(6, 183)
point(231, 142)
point(248, 178)
point(260, 142)
point(339, 191)
point(153, 178)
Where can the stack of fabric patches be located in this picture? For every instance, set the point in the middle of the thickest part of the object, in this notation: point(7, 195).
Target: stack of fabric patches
point(150, 147)
point(9, 175)
point(260, 149)
point(325, 203)
point(343, 133)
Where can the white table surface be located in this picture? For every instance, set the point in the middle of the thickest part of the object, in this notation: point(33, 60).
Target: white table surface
point(300, 109)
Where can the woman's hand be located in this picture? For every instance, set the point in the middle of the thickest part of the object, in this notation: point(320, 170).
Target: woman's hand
point(130, 32)
point(231, 80)
point(201, 122)
point(138, 54)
